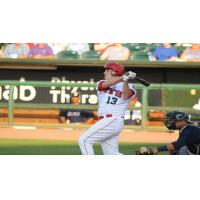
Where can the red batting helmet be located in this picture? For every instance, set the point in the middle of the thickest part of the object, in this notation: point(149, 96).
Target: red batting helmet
point(117, 68)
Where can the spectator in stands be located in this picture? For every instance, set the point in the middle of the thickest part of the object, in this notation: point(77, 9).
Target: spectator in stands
point(191, 54)
point(16, 50)
point(165, 52)
point(30, 45)
point(41, 50)
point(101, 47)
point(58, 47)
point(116, 52)
point(78, 47)
point(78, 115)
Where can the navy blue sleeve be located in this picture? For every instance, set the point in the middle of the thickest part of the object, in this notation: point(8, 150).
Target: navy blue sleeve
point(189, 135)
point(182, 140)
point(162, 148)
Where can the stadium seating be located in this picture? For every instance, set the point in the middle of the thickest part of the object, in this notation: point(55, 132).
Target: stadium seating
point(133, 46)
point(67, 55)
point(180, 50)
point(138, 51)
point(150, 47)
point(90, 55)
point(139, 55)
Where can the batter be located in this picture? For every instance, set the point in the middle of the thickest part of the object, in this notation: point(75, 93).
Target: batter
point(114, 95)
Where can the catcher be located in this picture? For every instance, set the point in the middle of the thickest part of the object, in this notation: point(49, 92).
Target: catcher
point(188, 142)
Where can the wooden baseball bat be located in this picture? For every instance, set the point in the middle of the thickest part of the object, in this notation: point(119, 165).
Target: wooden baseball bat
point(142, 81)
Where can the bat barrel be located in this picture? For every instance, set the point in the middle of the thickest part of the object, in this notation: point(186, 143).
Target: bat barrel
point(142, 81)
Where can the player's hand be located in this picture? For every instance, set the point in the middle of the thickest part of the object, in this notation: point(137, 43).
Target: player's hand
point(131, 75)
point(125, 77)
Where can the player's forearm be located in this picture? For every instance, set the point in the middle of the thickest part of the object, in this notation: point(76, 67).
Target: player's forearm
point(126, 91)
point(168, 147)
point(111, 82)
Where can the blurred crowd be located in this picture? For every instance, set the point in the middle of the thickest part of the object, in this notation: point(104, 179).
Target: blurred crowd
point(189, 52)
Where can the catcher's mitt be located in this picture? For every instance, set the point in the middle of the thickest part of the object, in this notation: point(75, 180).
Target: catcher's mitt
point(145, 151)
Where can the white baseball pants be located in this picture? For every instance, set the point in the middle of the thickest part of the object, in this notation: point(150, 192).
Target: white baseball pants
point(106, 132)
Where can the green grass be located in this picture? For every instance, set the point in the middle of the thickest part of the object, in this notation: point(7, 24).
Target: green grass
point(49, 147)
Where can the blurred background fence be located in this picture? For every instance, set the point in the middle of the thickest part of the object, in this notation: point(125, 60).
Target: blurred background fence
point(172, 97)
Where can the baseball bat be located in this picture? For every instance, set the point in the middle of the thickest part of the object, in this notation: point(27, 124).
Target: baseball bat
point(142, 81)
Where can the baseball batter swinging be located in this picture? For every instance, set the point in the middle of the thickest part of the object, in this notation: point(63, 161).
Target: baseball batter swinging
point(114, 94)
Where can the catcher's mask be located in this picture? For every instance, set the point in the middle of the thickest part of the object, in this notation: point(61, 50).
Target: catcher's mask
point(116, 67)
point(171, 118)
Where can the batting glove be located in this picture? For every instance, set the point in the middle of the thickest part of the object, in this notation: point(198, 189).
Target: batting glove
point(125, 77)
point(131, 75)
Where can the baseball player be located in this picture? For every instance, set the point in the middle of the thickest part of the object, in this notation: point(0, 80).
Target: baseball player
point(114, 94)
point(188, 142)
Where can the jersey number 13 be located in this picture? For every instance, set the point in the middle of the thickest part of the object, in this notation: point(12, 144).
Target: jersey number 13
point(112, 100)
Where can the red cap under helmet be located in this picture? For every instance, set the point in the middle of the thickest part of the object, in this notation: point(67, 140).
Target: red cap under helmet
point(116, 67)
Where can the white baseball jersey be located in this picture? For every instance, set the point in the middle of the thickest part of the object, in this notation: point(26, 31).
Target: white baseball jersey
point(111, 100)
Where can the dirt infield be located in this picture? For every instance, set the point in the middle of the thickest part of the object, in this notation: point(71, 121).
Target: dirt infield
point(73, 135)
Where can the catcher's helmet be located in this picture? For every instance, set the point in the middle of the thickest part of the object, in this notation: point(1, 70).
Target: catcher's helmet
point(117, 68)
point(171, 118)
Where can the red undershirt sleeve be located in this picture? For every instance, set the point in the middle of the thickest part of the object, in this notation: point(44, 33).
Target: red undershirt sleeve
point(100, 87)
